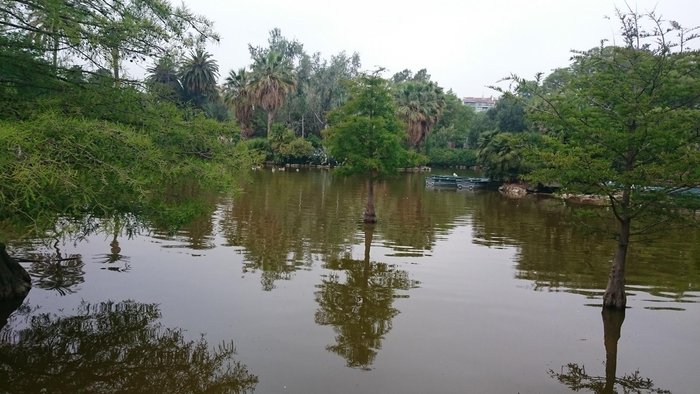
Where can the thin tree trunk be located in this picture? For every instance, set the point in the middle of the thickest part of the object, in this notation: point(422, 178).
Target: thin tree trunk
point(614, 296)
point(370, 216)
point(14, 279)
point(55, 52)
point(115, 65)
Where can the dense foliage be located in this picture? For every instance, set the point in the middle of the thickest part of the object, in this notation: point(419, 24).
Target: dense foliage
point(365, 135)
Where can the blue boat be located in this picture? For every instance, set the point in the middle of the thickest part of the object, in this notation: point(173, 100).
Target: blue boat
point(456, 182)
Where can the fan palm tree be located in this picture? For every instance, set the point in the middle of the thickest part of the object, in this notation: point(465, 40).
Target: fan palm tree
point(272, 80)
point(237, 95)
point(198, 76)
point(420, 104)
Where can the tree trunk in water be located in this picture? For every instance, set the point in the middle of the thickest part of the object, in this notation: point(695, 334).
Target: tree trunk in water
point(612, 325)
point(370, 216)
point(614, 296)
point(14, 280)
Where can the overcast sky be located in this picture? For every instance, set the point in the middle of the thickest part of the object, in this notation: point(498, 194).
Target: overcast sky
point(465, 45)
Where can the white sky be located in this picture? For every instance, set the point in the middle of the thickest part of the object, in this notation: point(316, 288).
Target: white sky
point(465, 45)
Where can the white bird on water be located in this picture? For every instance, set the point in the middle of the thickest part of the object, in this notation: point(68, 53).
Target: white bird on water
point(454, 174)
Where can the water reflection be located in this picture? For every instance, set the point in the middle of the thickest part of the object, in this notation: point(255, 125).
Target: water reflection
point(7, 307)
point(185, 216)
point(113, 259)
point(113, 348)
point(556, 252)
point(360, 308)
point(286, 221)
point(575, 377)
point(54, 270)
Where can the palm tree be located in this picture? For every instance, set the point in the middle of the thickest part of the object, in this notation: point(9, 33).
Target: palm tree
point(198, 75)
point(237, 95)
point(420, 104)
point(163, 78)
point(272, 80)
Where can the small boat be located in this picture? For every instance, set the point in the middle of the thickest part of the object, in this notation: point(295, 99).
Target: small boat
point(458, 182)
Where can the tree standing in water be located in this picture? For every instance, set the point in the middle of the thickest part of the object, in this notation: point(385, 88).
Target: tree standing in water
point(365, 135)
point(625, 125)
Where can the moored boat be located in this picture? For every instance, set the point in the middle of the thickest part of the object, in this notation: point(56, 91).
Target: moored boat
point(447, 181)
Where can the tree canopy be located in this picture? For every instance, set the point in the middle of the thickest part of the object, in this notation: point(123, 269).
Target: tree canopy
point(365, 134)
point(622, 122)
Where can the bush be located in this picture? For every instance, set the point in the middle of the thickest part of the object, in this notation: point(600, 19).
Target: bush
point(452, 157)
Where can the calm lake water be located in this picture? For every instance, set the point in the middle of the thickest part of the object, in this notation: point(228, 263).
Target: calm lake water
point(451, 292)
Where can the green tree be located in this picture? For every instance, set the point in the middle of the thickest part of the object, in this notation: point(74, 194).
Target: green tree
point(56, 168)
point(448, 144)
point(272, 80)
point(325, 90)
point(624, 124)
point(163, 79)
point(420, 103)
point(505, 156)
point(509, 114)
point(103, 33)
point(198, 75)
point(365, 135)
point(238, 96)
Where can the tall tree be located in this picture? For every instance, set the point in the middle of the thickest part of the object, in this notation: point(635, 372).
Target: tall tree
point(625, 125)
point(365, 135)
point(272, 80)
point(237, 95)
point(198, 75)
point(164, 80)
point(420, 104)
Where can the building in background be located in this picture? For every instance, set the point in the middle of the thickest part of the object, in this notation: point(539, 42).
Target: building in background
point(479, 104)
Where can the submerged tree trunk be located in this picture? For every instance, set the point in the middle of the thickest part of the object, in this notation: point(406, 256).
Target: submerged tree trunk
point(370, 216)
point(614, 296)
point(14, 280)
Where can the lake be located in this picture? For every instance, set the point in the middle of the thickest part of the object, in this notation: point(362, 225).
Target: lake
point(282, 289)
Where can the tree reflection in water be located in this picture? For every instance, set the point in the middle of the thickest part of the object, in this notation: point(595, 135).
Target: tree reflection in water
point(361, 308)
point(56, 271)
point(576, 378)
point(113, 348)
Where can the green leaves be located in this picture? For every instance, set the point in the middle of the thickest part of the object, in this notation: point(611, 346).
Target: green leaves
point(365, 134)
point(624, 124)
